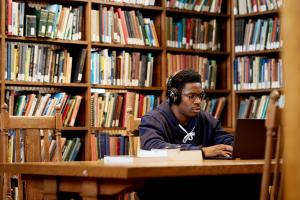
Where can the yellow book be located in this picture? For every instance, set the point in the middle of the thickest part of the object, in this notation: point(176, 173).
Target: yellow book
point(16, 62)
point(27, 64)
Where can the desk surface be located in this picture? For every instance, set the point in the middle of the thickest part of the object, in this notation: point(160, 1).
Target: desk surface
point(140, 169)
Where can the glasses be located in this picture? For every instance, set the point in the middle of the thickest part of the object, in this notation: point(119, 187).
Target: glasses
point(193, 97)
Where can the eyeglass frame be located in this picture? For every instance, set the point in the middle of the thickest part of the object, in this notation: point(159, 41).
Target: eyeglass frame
point(192, 97)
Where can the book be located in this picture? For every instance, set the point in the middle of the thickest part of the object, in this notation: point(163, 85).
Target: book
point(42, 17)
point(30, 26)
point(78, 68)
point(75, 110)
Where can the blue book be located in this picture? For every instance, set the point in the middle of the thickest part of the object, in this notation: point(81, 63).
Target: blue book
point(126, 145)
point(97, 68)
point(92, 76)
point(106, 136)
point(214, 103)
point(102, 145)
point(8, 63)
point(241, 109)
point(235, 73)
point(149, 35)
point(54, 8)
point(122, 144)
point(179, 38)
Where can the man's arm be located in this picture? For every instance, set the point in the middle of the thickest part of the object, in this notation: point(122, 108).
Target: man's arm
point(154, 134)
point(221, 141)
point(221, 136)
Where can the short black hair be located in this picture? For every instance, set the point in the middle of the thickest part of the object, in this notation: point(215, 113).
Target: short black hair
point(185, 76)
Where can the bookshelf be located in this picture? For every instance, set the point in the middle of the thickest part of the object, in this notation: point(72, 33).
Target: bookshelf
point(40, 86)
point(255, 49)
point(222, 52)
point(157, 14)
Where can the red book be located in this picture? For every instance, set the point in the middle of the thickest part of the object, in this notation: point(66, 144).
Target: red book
point(93, 145)
point(66, 110)
point(75, 110)
point(9, 17)
point(123, 22)
point(141, 105)
point(188, 32)
point(29, 104)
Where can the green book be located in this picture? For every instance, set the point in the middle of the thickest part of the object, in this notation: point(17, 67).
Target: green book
point(42, 18)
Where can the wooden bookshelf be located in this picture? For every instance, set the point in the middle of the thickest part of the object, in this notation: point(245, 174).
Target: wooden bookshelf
point(81, 88)
point(158, 13)
point(157, 7)
point(46, 40)
point(273, 53)
point(198, 52)
point(222, 56)
point(27, 83)
point(257, 91)
point(260, 14)
point(127, 87)
point(126, 47)
point(197, 14)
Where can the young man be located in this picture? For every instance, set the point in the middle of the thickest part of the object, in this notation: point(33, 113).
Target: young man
point(179, 123)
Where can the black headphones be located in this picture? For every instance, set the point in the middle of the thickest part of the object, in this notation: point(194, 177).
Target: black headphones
point(173, 93)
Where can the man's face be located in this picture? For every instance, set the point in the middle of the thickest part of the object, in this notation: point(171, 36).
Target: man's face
point(190, 99)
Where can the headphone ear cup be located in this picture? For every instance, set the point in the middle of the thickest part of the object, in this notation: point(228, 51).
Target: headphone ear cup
point(174, 96)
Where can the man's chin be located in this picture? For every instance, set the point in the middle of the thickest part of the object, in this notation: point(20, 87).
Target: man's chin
point(194, 113)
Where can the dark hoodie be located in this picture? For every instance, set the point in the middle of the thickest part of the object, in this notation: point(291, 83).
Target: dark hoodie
point(160, 129)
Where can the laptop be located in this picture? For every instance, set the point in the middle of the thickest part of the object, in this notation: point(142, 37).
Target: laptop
point(250, 139)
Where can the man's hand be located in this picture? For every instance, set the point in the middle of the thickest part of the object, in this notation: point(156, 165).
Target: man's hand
point(217, 150)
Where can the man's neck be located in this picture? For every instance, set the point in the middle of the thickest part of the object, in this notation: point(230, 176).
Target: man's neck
point(183, 120)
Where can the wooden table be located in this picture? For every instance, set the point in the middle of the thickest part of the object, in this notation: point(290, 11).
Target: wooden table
point(90, 179)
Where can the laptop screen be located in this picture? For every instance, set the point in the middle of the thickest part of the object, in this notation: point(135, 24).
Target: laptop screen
point(250, 138)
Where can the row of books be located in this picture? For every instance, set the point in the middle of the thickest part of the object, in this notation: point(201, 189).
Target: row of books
point(257, 34)
point(121, 68)
point(242, 7)
point(37, 20)
point(212, 6)
point(123, 27)
point(254, 108)
point(257, 73)
point(214, 106)
point(104, 144)
point(11, 147)
point(137, 2)
point(32, 104)
point(70, 148)
point(193, 33)
point(206, 68)
point(43, 63)
point(141, 103)
point(109, 109)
